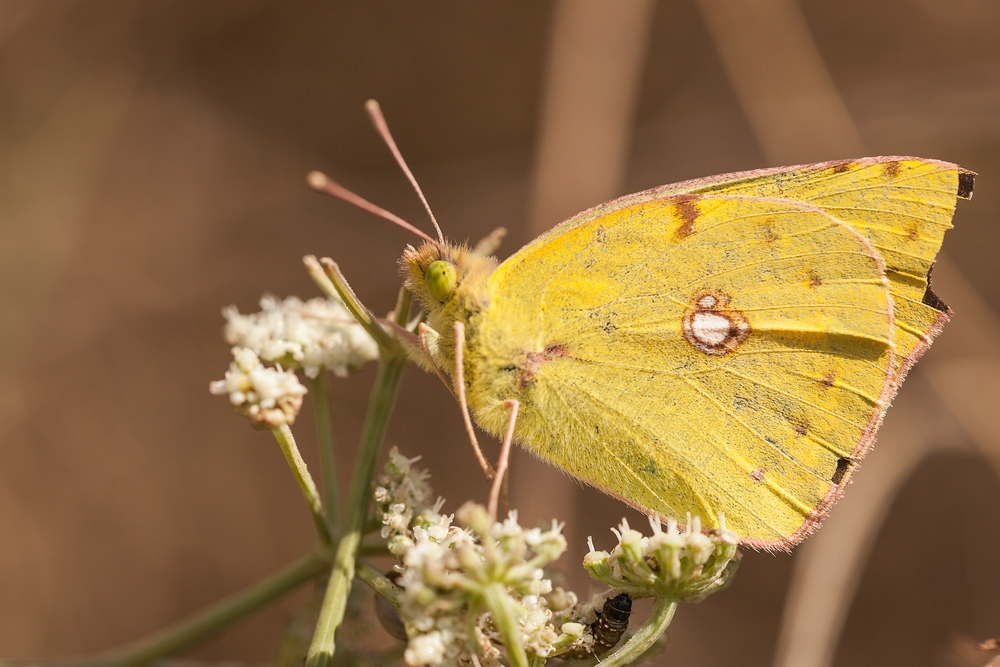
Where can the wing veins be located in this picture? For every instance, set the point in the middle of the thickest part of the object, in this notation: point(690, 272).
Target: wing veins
point(750, 265)
point(830, 209)
point(798, 505)
point(780, 392)
point(690, 464)
point(607, 450)
point(840, 385)
point(893, 186)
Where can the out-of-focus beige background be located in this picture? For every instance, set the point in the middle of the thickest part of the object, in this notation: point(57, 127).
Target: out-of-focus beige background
point(152, 163)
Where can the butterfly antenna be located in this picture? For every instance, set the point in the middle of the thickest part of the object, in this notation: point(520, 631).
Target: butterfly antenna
point(322, 183)
point(375, 111)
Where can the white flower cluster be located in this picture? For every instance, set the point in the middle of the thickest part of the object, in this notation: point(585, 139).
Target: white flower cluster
point(269, 397)
point(313, 335)
point(682, 565)
point(470, 591)
point(402, 493)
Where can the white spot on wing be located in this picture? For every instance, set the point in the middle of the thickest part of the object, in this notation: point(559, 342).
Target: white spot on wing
point(708, 301)
point(710, 328)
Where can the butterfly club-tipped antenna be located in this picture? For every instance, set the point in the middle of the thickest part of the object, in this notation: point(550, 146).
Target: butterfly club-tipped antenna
point(375, 113)
point(322, 183)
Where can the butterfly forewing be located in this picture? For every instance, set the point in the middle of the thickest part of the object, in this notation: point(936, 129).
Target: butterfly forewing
point(902, 205)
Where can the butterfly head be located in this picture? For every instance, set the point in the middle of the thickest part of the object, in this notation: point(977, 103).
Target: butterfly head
point(438, 274)
point(448, 280)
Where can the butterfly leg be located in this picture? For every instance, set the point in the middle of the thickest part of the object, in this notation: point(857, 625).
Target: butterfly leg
point(504, 458)
point(460, 392)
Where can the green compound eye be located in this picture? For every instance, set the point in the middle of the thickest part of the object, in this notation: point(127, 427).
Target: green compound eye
point(440, 279)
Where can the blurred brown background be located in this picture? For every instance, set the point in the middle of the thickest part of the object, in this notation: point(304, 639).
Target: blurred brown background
point(152, 163)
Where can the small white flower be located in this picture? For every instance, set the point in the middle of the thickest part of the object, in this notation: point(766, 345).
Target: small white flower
point(403, 497)
point(685, 565)
point(312, 335)
point(560, 600)
point(269, 397)
point(425, 650)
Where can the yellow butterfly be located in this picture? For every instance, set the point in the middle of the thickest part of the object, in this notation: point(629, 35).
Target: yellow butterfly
point(723, 346)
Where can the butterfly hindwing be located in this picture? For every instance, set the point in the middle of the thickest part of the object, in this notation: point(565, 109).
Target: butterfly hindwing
point(706, 353)
point(902, 205)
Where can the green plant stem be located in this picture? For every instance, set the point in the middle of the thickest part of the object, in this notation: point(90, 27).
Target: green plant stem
point(209, 622)
point(380, 583)
point(286, 440)
point(374, 548)
point(350, 300)
point(498, 602)
point(643, 640)
point(383, 397)
point(327, 454)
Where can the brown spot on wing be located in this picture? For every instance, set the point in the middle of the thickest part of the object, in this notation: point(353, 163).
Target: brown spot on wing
point(966, 183)
point(842, 166)
point(710, 305)
point(890, 169)
point(801, 428)
point(827, 380)
point(843, 465)
point(813, 279)
point(534, 361)
point(934, 301)
point(769, 236)
point(931, 299)
point(913, 233)
point(758, 474)
point(687, 210)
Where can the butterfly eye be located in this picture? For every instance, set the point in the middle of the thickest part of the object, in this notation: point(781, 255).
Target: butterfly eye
point(440, 279)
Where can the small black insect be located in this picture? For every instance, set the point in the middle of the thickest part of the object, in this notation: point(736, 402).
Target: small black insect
point(611, 623)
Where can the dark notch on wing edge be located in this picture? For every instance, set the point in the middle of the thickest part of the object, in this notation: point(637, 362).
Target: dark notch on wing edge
point(931, 299)
point(842, 466)
point(966, 183)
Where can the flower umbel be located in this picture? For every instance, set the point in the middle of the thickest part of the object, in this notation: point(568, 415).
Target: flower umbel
point(309, 336)
point(680, 565)
point(268, 397)
point(470, 590)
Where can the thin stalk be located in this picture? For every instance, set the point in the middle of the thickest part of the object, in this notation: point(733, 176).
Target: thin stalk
point(327, 276)
point(370, 549)
point(643, 640)
point(380, 583)
point(498, 602)
point(327, 453)
point(383, 397)
point(286, 440)
point(404, 303)
point(209, 622)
